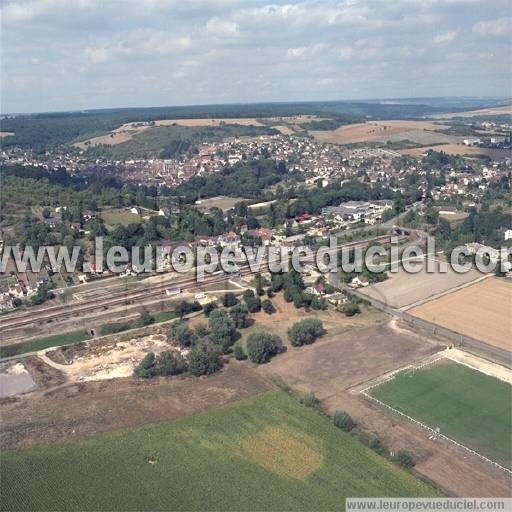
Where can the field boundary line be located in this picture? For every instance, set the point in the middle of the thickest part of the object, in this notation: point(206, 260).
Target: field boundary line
point(365, 393)
point(420, 302)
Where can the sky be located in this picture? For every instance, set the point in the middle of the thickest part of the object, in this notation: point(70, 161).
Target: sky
point(78, 54)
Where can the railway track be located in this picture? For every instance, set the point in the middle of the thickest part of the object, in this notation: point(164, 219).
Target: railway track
point(126, 297)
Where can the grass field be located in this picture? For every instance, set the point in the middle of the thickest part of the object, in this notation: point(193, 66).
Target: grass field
point(57, 340)
point(266, 452)
point(121, 216)
point(468, 406)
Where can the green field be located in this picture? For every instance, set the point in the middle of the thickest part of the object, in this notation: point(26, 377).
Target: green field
point(467, 405)
point(267, 452)
point(58, 340)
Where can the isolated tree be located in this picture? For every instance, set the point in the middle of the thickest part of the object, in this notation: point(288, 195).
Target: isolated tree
point(310, 400)
point(222, 329)
point(404, 458)
point(261, 346)
point(254, 304)
point(229, 299)
point(240, 316)
point(351, 309)
point(268, 307)
point(343, 420)
point(305, 332)
point(145, 318)
point(238, 352)
point(208, 308)
point(204, 358)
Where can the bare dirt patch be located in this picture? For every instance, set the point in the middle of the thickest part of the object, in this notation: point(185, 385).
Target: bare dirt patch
point(88, 408)
point(480, 311)
point(106, 361)
point(339, 361)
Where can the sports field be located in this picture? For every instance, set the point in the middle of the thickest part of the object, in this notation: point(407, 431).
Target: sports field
point(467, 405)
point(266, 452)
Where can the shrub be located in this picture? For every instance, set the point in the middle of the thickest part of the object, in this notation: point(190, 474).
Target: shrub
point(204, 358)
point(146, 368)
point(404, 458)
point(377, 446)
point(229, 299)
point(222, 329)
point(261, 347)
point(181, 334)
point(239, 353)
point(184, 308)
point(305, 332)
point(268, 307)
point(343, 420)
point(310, 400)
point(351, 309)
point(240, 316)
point(170, 363)
point(208, 308)
point(146, 319)
point(254, 304)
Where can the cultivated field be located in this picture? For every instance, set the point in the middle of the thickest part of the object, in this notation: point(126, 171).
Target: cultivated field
point(404, 289)
point(265, 453)
point(381, 131)
point(114, 216)
point(127, 131)
point(468, 406)
point(494, 111)
point(222, 202)
point(460, 149)
point(481, 311)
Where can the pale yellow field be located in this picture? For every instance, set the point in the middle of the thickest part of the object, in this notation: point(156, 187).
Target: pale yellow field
point(482, 311)
point(460, 149)
point(495, 111)
point(373, 131)
point(251, 121)
point(128, 130)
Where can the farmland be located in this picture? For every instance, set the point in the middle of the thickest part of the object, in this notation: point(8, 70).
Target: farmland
point(468, 406)
point(481, 311)
point(267, 453)
point(405, 289)
point(422, 132)
point(460, 149)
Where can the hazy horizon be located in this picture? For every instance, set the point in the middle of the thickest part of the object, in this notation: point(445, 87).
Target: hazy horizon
point(58, 55)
